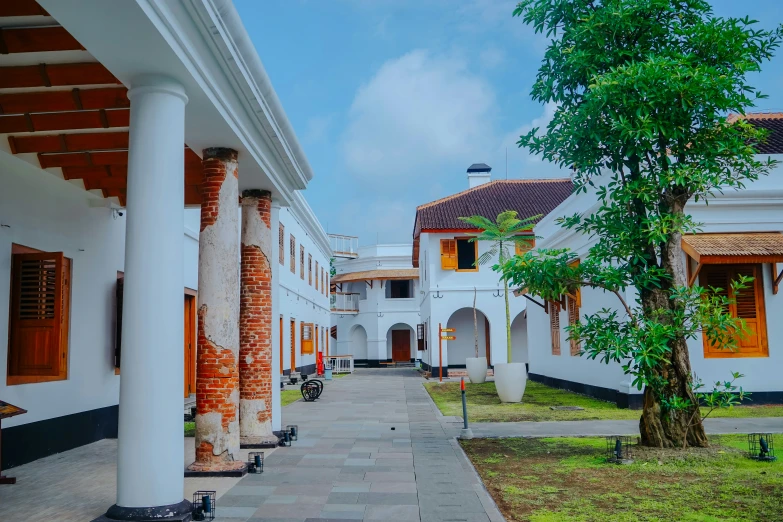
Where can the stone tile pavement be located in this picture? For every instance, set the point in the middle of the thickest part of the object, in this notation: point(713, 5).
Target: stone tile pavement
point(372, 448)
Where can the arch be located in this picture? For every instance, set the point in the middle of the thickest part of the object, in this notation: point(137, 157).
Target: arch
point(464, 345)
point(359, 342)
point(519, 352)
point(391, 338)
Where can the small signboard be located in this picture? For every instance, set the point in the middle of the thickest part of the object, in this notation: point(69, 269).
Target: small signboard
point(449, 337)
point(448, 330)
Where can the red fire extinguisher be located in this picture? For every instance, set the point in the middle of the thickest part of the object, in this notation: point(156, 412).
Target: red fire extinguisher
point(319, 363)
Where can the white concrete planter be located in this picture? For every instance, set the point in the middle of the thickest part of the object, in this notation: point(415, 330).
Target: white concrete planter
point(510, 381)
point(477, 369)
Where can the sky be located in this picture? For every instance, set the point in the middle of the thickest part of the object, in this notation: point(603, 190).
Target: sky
point(392, 100)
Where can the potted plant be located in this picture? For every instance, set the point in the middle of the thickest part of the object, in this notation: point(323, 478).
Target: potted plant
point(476, 366)
point(507, 231)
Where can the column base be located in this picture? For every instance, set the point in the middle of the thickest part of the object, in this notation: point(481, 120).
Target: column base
point(174, 513)
point(271, 441)
point(228, 469)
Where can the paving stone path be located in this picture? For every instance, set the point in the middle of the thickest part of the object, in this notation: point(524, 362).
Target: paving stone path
point(372, 448)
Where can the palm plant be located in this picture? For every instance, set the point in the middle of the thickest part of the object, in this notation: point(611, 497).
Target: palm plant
point(505, 232)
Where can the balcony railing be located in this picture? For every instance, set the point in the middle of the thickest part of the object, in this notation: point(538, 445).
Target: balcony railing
point(344, 246)
point(344, 303)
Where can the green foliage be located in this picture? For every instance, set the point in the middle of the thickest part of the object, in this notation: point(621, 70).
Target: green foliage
point(643, 89)
point(501, 234)
point(332, 269)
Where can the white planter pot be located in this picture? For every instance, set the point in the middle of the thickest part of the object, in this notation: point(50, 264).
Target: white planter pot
point(477, 369)
point(510, 381)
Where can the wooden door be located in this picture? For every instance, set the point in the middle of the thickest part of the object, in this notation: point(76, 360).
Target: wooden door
point(190, 344)
point(401, 345)
point(281, 345)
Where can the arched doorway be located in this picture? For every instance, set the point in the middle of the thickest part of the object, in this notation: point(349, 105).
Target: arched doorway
point(400, 341)
point(466, 342)
point(519, 338)
point(359, 343)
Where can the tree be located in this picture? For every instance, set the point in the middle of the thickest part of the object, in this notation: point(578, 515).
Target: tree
point(643, 89)
point(505, 232)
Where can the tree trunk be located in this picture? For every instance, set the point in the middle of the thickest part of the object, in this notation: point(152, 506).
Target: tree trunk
point(659, 427)
point(508, 320)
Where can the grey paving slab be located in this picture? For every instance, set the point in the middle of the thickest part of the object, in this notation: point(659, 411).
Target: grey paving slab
point(349, 464)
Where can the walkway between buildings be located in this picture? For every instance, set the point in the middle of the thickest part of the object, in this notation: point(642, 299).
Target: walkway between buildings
point(372, 448)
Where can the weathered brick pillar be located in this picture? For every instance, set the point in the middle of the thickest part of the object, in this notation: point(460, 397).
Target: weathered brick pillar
point(255, 320)
point(217, 371)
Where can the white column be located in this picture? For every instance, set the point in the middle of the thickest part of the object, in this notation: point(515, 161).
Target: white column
point(276, 333)
point(149, 462)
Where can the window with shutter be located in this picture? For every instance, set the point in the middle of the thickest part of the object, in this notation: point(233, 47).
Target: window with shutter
point(307, 338)
point(524, 246)
point(554, 326)
point(293, 253)
point(301, 262)
point(748, 305)
point(420, 336)
point(310, 269)
point(281, 243)
point(448, 254)
point(573, 317)
point(316, 276)
point(39, 317)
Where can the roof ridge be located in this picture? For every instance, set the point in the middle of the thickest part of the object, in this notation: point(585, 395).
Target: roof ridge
point(486, 185)
point(760, 115)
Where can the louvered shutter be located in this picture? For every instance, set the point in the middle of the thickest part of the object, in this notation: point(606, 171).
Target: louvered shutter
point(448, 254)
point(554, 326)
point(524, 246)
point(573, 317)
point(118, 329)
point(38, 301)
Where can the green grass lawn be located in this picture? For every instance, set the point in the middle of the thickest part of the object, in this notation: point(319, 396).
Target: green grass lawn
point(289, 396)
point(190, 429)
point(568, 480)
point(484, 405)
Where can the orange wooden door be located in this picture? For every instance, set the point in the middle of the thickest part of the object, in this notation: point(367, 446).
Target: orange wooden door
point(281, 345)
point(401, 345)
point(190, 345)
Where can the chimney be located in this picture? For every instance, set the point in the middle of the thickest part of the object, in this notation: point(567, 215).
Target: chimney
point(478, 174)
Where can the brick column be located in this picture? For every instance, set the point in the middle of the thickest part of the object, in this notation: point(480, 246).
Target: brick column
point(255, 320)
point(217, 372)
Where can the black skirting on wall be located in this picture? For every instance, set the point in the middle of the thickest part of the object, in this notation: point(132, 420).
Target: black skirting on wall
point(435, 370)
point(29, 442)
point(623, 400)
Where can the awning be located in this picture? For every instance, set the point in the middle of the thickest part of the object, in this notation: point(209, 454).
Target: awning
point(370, 275)
point(739, 248)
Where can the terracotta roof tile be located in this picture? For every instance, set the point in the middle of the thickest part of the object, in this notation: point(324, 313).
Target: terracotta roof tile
point(773, 122)
point(529, 197)
point(756, 245)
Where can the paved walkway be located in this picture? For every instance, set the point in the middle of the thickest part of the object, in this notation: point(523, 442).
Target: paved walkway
point(372, 448)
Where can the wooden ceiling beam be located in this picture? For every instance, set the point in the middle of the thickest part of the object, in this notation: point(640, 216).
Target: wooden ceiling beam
point(82, 142)
point(36, 40)
point(21, 8)
point(64, 101)
point(55, 75)
point(114, 157)
point(54, 121)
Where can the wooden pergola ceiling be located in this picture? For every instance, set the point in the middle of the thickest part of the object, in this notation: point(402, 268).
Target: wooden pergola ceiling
point(82, 130)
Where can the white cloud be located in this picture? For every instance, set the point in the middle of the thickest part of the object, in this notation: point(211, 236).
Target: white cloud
point(418, 111)
point(492, 57)
point(317, 128)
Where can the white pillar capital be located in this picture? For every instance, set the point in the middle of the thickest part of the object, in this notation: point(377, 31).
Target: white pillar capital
point(147, 84)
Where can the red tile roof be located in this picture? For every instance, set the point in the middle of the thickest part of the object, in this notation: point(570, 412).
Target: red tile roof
point(773, 122)
point(529, 197)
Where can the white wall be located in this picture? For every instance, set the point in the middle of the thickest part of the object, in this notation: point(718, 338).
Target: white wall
point(39, 211)
point(295, 297)
point(446, 291)
point(464, 345)
point(757, 208)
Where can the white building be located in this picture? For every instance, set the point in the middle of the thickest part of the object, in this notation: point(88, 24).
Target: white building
point(375, 305)
point(113, 121)
point(751, 220)
point(302, 292)
point(448, 278)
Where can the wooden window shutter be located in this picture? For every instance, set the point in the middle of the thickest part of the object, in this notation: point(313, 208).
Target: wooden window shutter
point(573, 317)
point(281, 243)
point(316, 275)
point(307, 338)
point(524, 246)
point(448, 254)
point(310, 269)
point(301, 262)
point(554, 326)
point(118, 329)
point(37, 321)
point(293, 254)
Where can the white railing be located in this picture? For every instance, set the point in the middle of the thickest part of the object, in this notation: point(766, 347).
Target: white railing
point(342, 302)
point(344, 246)
point(341, 363)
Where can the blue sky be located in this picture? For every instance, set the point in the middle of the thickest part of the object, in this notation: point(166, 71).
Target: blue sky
point(392, 100)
